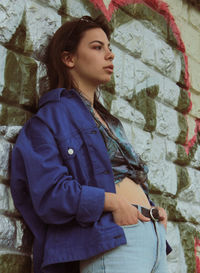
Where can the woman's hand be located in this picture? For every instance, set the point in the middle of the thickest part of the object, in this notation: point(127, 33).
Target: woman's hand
point(123, 212)
point(163, 216)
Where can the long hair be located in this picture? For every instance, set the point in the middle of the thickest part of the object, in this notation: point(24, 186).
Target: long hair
point(67, 38)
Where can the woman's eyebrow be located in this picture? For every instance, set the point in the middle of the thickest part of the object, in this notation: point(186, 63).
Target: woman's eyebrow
point(97, 41)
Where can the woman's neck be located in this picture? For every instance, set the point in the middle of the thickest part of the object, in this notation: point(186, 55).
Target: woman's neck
point(88, 93)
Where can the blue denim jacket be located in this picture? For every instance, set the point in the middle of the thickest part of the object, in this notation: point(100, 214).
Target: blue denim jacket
point(60, 171)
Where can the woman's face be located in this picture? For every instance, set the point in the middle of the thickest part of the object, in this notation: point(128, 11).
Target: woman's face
point(92, 62)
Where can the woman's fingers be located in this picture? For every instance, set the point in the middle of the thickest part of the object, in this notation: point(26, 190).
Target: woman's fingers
point(163, 216)
point(142, 217)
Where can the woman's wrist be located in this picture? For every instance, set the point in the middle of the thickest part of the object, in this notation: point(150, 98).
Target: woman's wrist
point(110, 203)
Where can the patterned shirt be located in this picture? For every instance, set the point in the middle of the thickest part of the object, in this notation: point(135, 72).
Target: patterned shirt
point(124, 160)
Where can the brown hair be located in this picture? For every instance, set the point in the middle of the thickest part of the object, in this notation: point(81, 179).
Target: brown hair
point(67, 38)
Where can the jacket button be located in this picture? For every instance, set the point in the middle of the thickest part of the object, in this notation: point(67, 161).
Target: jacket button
point(70, 151)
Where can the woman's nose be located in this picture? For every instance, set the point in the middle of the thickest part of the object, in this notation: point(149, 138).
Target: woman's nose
point(109, 55)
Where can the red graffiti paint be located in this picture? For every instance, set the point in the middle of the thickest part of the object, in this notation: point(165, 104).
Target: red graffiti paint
point(197, 249)
point(162, 8)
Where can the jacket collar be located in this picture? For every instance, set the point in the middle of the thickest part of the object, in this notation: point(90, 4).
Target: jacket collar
point(55, 95)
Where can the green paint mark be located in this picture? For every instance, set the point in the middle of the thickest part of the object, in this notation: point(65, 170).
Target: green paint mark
point(11, 115)
point(183, 101)
point(144, 103)
point(183, 179)
point(13, 78)
point(188, 234)
point(119, 18)
point(20, 81)
point(181, 139)
point(11, 263)
point(28, 95)
point(181, 81)
point(171, 38)
point(182, 157)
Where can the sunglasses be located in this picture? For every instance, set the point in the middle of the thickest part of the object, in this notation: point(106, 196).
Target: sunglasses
point(83, 19)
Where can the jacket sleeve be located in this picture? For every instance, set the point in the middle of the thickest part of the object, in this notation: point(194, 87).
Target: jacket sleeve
point(56, 196)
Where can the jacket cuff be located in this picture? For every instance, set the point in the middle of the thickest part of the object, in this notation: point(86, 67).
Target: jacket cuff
point(91, 205)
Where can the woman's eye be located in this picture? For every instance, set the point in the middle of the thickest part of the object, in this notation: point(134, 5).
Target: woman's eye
point(98, 47)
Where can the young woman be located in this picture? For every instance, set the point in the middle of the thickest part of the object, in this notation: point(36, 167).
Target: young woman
point(76, 180)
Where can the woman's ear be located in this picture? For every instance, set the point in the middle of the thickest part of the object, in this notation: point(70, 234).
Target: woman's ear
point(68, 59)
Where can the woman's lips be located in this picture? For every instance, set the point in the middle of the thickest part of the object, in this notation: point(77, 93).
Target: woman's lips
point(109, 68)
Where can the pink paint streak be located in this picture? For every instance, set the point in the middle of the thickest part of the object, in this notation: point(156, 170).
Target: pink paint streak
point(197, 245)
point(162, 8)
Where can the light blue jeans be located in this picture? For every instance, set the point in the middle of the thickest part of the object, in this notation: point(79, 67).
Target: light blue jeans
point(145, 252)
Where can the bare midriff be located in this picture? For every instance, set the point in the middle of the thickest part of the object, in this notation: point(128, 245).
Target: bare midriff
point(133, 192)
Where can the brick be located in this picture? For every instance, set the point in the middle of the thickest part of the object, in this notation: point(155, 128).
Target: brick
point(176, 259)
point(194, 67)
point(12, 133)
point(131, 37)
point(123, 109)
point(22, 91)
point(190, 195)
point(195, 162)
point(142, 72)
point(183, 178)
point(189, 33)
point(11, 13)
point(124, 74)
point(150, 18)
point(195, 111)
point(194, 17)
point(167, 122)
point(51, 3)
point(3, 53)
point(183, 101)
point(76, 8)
point(42, 80)
point(164, 58)
point(4, 203)
point(163, 177)
point(127, 125)
point(182, 157)
point(24, 238)
point(142, 142)
point(191, 126)
point(128, 80)
point(118, 69)
point(169, 92)
point(7, 232)
point(13, 116)
point(41, 23)
point(188, 233)
point(171, 152)
point(4, 158)
point(148, 52)
point(183, 126)
point(146, 105)
point(12, 209)
point(178, 8)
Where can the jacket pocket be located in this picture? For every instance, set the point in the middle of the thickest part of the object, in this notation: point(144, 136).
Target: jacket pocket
point(75, 156)
point(70, 147)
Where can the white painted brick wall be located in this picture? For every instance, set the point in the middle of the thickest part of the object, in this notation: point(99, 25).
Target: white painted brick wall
point(143, 59)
